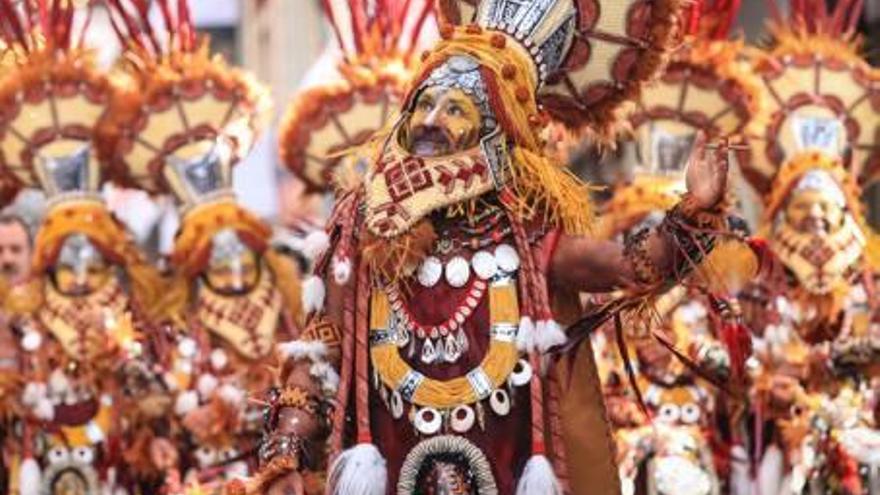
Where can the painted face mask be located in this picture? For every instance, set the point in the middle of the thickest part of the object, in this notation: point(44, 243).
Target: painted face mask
point(233, 268)
point(81, 269)
point(815, 236)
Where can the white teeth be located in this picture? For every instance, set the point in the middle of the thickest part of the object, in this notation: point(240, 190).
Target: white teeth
point(430, 271)
point(458, 272)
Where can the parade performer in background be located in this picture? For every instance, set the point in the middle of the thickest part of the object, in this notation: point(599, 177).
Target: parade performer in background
point(82, 318)
point(813, 150)
point(696, 346)
point(450, 266)
point(188, 120)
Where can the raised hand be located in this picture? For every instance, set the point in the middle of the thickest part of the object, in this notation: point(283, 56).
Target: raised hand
point(706, 176)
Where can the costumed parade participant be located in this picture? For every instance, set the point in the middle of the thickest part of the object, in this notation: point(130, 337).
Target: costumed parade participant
point(188, 121)
point(450, 266)
point(696, 342)
point(813, 150)
point(84, 341)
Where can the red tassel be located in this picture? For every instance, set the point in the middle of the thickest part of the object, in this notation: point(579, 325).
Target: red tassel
point(738, 342)
point(844, 467)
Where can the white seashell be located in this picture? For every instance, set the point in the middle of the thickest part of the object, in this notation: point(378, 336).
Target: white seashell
point(521, 374)
point(428, 421)
point(31, 340)
point(507, 258)
point(462, 419)
point(219, 359)
point(499, 401)
point(396, 405)
point(430, 271)
point(206, 385)
point(187, 347)
point(484, 265)
point(429, 352)
point(458, 272)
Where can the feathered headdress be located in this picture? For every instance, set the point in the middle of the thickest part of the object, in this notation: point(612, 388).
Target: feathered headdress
point(376, 54)
point(706, 88)
point(189, 118)
point(823, 106)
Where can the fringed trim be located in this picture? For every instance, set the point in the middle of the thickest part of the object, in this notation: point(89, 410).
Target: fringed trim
point(326, 376)
point(360, 470)
point(313, 294)
point(29, 477)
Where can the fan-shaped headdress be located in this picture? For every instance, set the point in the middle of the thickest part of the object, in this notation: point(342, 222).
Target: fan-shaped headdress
point(823, 106)
point(52, 97)
point(188, 121)
point(361, 94)
point(706, 88)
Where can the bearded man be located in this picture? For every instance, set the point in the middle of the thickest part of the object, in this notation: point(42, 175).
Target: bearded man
point(451, 266)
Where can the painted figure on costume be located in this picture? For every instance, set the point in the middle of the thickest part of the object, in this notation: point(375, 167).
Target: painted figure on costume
point(450, 265)
point(187, 121)
point(814, 149)
point(82, 317)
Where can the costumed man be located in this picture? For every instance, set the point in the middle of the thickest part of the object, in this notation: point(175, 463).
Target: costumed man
point(82, 317)
point(189, 119)
point(437, 299)
point(696, 344)
point(813, 149)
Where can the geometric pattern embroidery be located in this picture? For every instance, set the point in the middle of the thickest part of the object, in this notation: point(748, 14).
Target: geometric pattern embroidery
point(407, 177)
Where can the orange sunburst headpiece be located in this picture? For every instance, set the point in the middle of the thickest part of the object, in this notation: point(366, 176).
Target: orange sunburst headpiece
point(188, 120)
point(343, 111)
point(825, 96)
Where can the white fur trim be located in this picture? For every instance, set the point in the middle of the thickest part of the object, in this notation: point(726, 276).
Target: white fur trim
point(341, 270)
point(44, 409)
point(525, 336)
point(219, 359)
point(314, 244)
point(232, 395)
point(360, 470)
point(33, 392)
point(313, 350)
point(32, 340)
point(327, 376)
point(313, 294)
point(29, 476)
point(206, 385)
point(538, 477)
point(549, 335)
point(186, 402)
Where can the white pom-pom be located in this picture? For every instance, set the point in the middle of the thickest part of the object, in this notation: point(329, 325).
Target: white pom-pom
point(186, 402)
point(313, 350)
point(31, 341)
point(341, 270)
point(33, 392)
point(549, 335)
point(314, 244)
point(58, 382)
point(525, 336)
point(327, 376)
point(538, 477)
point(313, 294)
point(219, 359)
point(44, 409)
point(360, 470)
point(187, 347)
point(232, 395)
point(206, 385)
point(29, 476)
